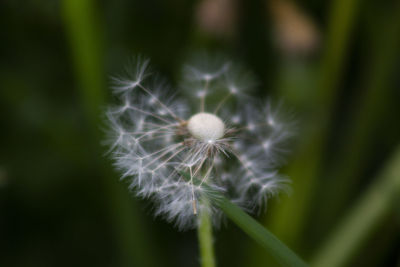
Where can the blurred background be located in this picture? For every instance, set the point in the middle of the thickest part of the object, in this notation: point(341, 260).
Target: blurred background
point(335, 65)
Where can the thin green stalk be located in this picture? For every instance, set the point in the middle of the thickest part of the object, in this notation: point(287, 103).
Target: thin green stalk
point(345, 172)
point(278, 250)
point(205, 236)
point(290, 218)
point(84, 35)
point(366, 216)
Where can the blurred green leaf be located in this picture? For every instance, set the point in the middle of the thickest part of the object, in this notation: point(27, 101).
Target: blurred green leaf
point(84, 35)
point(261, 235)
point(289, 220)
point(363, 219)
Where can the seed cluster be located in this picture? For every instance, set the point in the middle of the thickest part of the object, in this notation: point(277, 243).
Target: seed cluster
point(215, 135)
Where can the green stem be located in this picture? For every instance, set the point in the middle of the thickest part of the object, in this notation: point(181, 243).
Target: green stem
point(353, 154)
point(84, 33)
point(205, 236)
point(368, 213)
point(290, 219)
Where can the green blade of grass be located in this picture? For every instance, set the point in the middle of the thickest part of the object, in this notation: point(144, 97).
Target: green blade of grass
point(84, 36)
point(261, 235)
point(289, 220)
point(363, 219)
point(353, 155)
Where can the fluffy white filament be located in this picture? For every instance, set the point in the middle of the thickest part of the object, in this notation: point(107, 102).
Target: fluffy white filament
point(217, 135)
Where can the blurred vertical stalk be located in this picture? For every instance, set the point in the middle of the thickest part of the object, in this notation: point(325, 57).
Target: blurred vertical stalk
point(290, 217)
point(86, 44)
point(366, 216)
point(83, 32)
point(352, 156)
point(205, 236)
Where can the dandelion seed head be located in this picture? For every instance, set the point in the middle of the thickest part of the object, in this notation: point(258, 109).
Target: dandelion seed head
point(168, 149)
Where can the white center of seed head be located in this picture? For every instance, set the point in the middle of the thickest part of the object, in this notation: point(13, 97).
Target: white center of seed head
point(206, 127)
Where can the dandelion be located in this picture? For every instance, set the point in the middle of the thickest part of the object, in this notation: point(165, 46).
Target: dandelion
point(174, 151)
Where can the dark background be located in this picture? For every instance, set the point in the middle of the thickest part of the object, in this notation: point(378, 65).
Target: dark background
point(61, 203)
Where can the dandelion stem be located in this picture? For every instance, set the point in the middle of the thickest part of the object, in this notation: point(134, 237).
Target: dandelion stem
point(205, 236)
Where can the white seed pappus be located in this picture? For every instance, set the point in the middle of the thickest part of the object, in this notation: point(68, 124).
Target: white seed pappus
point(214, 134)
